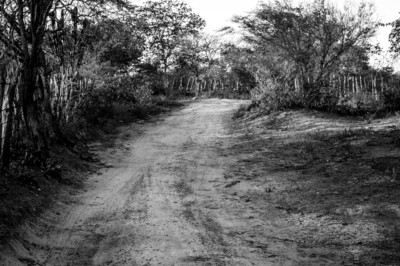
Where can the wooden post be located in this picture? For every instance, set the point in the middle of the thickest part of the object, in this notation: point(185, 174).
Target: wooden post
point(180, 89)
point(196, 88)
point(188, 85)
point(375, 88)
point(172, 86)
point(355, 84)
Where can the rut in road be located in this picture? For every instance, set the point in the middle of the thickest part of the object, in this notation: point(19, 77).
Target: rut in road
point(145, 209)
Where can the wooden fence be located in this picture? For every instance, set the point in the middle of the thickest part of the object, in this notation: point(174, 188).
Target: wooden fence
point(372, 85)
point(66, 89)
point(205, 85)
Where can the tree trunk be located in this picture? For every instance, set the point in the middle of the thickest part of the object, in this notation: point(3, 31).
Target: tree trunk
point(3, 72)
point(49, 118)
point(7, 111)
point(32, 96)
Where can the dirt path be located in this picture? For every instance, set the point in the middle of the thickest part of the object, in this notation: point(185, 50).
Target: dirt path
point(190, 189)
point(141, 211)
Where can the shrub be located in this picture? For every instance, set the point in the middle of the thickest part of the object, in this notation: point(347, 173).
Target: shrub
point(275, 96)
point(142, 93)
point(391, 100)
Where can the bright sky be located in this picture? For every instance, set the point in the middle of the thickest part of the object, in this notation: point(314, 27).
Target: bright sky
point(218, 13)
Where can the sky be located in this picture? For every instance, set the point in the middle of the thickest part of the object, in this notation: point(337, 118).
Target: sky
point(218, 13)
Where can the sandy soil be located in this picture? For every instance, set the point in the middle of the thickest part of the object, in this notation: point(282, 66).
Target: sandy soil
point(190, 188)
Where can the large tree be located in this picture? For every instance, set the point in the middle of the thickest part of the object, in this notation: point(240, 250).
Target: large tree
point(167, 22)
point(311, 36)
point(198, 54)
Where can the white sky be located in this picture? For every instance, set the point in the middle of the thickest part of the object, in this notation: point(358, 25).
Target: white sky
point(218, 13)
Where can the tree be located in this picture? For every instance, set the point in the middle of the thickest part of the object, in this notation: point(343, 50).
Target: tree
point(242, 64)
point(23, 33)
point(394, 37)
point(167, 23)
point(197, 54)
point(312, 36)
point(25, 29)
point(355, 61)
point(117, 42)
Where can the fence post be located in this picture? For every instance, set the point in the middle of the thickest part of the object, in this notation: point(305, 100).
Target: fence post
point(188, 85)
point(180, 89)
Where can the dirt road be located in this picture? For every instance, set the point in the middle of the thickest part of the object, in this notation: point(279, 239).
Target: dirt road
point(190, 189)
point(157, 204)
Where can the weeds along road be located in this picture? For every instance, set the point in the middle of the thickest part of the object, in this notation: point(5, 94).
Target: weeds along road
point(157, 204)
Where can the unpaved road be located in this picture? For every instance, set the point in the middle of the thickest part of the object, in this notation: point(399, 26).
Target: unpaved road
point(138, 212)
point(156, 204)
point(189, 189)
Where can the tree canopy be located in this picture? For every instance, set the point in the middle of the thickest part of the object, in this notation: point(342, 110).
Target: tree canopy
point(394, 37)
point(167, 23)
point(312, 36)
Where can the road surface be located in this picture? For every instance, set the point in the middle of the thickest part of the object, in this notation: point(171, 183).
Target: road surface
point(159, 203)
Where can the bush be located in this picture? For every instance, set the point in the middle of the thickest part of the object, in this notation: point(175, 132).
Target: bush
point(96, 103)
point(142, 93)
point(391, 100)
point(275, 96)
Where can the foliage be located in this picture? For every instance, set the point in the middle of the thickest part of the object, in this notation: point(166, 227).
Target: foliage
point(198, 54)
point(355, 61)
point(117, 42)
point(47, 38)
point(275, 96)
point(394, 37)
point(191, 56)
point(167, 24)
point(241, 62)
point(312, 36)
point(391, 100)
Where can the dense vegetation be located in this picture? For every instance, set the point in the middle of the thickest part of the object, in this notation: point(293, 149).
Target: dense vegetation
point(65, 64)
point(315, 55)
